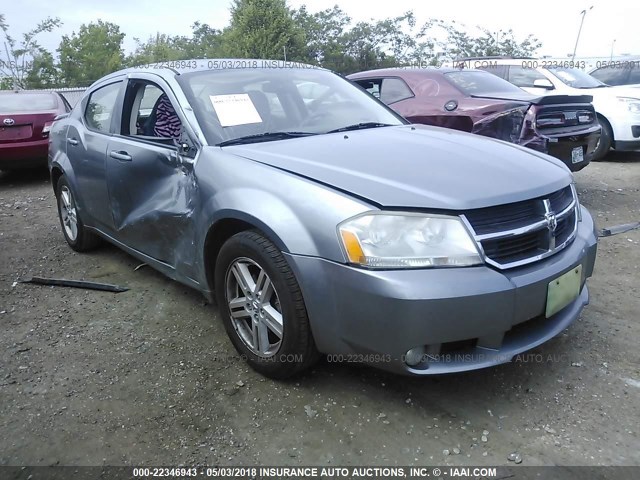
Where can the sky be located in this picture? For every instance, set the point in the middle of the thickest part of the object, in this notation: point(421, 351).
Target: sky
point(610, 23)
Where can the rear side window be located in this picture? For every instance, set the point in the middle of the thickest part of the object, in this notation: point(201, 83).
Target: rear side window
point(611, 75)
point(27, 102)
point(634, 75)
point(394, 90)
point(524, 77)
point(100, 107)
point(372, 85)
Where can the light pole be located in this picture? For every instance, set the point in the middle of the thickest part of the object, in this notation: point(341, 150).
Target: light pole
point(584, 14)
point(612, 44)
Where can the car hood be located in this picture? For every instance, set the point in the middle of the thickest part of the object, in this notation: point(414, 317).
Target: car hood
point(415, 166)
point(611, 92)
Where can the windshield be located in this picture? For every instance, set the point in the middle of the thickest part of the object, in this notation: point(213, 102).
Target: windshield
point(576, 78)
point(232, 104)
point(27, 102)
point(480, 83)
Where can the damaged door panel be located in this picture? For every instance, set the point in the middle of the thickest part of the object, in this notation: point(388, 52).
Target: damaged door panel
point(152, 193)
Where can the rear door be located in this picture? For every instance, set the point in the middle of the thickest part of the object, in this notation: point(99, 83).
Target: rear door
point(90, 129)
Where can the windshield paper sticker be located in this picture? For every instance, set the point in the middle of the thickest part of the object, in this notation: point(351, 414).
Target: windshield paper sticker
point(235, 109)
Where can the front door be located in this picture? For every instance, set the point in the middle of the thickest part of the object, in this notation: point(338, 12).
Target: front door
point(152, 189)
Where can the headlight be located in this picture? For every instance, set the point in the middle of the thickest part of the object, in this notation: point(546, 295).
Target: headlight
point(632, 104)
point(407, 240)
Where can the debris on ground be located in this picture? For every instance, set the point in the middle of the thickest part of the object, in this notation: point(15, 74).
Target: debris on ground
point(61, 282)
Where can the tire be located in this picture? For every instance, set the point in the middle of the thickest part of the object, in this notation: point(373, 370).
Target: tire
point(269, 326)
point(605, 142)
point(74, 231)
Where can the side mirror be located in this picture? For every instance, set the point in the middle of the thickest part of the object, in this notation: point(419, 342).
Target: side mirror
point(184, 148)
point(543, 83)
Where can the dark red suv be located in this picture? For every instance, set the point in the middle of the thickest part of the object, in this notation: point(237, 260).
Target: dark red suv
point(25, 121)
point(475, 101)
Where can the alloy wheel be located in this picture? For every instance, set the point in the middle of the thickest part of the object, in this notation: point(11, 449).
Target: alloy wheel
point(68, 213)
point(254, 306)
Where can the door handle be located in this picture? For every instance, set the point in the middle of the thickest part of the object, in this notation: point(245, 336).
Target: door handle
point(123, 156)
point(72, 141)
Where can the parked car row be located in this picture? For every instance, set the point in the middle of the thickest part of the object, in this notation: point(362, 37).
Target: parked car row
point(568, 114)
point(323, 222)
point(478, 102)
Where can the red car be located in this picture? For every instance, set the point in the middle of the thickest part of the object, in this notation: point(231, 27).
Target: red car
point(475, 101)
point(25, 121)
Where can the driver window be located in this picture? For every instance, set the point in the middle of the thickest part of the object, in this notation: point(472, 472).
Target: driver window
point(152, 114)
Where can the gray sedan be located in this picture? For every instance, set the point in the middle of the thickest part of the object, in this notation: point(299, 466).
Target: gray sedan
point(322, 222)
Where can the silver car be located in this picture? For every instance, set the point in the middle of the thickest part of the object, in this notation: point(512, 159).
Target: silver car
point(320, 221)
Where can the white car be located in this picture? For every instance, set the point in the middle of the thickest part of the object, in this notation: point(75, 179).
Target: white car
point(618, 108)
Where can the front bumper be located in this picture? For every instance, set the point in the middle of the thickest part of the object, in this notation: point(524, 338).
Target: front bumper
point(467, 318)
point(627, 145)
point(626, 130)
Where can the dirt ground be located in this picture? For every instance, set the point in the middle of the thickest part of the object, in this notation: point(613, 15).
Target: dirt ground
point(148, 377)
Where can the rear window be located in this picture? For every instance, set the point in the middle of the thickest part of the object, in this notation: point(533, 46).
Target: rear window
point(27, 102)
point(610, 75)
point(480, 83)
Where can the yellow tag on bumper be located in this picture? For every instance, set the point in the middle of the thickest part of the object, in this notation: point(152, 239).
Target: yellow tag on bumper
point(563, 290)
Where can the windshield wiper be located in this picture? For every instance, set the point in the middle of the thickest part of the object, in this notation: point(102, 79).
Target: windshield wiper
point(264, 137)
point(360, 126)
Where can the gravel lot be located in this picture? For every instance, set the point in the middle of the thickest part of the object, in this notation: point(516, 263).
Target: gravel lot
point(148, 377)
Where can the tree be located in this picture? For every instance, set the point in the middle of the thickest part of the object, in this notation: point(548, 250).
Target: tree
point(263, 29)
point(206, 42)
point(17, 57)
point(336, 44)
point(93, 52)
point(460, 44)
point(323, 32)
point(43, 72)
point(160, 48)
point(385, 43)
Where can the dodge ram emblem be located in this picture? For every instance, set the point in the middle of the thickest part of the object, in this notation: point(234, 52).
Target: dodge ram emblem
point(552, 221)
point(9, 121)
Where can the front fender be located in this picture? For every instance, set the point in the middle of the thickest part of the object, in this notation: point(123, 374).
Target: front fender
point(266, 212)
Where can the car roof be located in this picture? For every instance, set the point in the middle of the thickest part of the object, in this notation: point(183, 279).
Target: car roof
point(28, 92)
point(401, 71)
point(171, 68)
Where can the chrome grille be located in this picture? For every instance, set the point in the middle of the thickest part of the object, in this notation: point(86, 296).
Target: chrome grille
point(519, 233)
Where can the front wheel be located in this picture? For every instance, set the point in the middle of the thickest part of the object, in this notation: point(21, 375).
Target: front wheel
point(262, 306)
point(604, 144)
